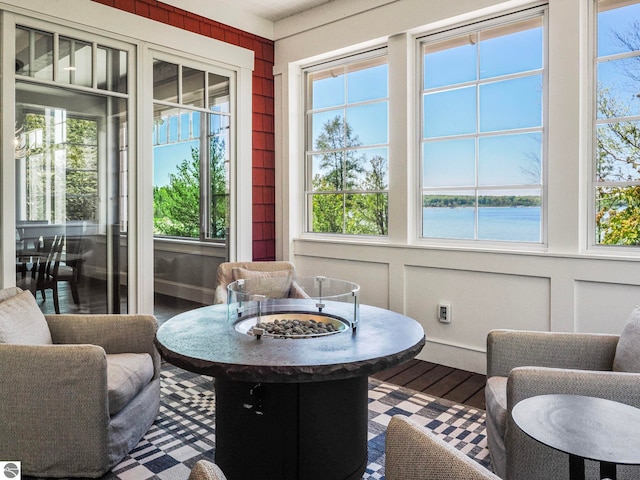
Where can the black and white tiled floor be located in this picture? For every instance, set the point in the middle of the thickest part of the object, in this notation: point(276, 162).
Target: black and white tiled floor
point(185, 429)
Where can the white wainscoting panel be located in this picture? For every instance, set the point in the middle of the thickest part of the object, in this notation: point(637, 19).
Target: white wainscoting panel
point(604, 307)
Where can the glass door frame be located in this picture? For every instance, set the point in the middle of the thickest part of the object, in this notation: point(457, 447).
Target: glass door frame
point(8, 170)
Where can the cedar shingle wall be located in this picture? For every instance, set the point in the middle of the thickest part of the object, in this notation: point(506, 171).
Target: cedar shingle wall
point(263, 163)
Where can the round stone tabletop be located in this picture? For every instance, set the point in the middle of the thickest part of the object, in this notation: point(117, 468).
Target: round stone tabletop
point(203, 341)
point(587, 427)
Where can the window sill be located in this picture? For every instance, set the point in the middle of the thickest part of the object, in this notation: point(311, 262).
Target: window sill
point(519, 250)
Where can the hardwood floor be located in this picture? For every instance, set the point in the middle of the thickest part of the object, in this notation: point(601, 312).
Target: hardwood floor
point(438, 380)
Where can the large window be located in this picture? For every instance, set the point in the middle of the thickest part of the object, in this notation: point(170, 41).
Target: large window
point(483, 147)
point(191, 138)
point(616, 176)
point(347, 147)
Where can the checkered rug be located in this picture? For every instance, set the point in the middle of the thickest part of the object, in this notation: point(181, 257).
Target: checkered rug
point(184, 430)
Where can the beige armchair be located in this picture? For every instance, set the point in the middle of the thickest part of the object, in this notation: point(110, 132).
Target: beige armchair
point(77, 392)
point(413, 452)
point(523, 364)
point(229, 272)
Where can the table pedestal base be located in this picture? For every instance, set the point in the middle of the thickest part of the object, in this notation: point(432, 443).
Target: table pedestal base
point(292, 431)
point(577, 472)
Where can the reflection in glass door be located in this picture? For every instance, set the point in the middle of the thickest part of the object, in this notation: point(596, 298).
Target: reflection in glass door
point(71, 174)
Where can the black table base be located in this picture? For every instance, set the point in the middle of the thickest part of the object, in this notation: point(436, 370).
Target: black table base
point(310, 431)
point(577, 471)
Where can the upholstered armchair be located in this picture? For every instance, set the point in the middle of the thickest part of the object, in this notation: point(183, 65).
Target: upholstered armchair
point(413, 452)
point(77, 392)
point(281, 274)
point(523, 364)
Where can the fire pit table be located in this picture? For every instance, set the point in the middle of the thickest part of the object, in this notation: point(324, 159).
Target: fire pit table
point(290, 408)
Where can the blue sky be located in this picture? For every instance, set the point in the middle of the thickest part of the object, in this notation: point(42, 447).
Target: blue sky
point(173, 140)
point(613, 75)
point(452, 111)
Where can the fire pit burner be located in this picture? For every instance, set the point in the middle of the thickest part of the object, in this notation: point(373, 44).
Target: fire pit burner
point(291, 325)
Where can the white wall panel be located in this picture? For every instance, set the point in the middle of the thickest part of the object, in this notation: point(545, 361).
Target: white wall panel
point(374, 275)
point(604, 307)
point(479, 302)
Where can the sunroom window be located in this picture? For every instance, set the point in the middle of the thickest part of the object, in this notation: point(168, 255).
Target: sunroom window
point(347, 145)
point(191, 153)
point(482, 147)
point(616, 175)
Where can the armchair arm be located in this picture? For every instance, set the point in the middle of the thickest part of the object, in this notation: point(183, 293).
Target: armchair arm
point(296, 291)
point(220, 295)
point(416, 453)
point(508, 349)
point(50, 394)
point(114, 333)
point(205, 470)
point(527, 382)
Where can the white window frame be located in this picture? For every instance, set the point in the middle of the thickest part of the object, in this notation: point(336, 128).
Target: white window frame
point(205, 199)
point(307, 191)
point(590, 242)
point(456, 31)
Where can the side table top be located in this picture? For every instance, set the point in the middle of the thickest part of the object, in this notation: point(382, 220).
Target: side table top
point(588, 427)
point(202, 341)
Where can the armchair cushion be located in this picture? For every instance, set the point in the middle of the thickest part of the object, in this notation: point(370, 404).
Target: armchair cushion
point(496, 398)
point(496, 420)
point(127, 374)
point(627, 357)
point(275, 284)
point(22, 322)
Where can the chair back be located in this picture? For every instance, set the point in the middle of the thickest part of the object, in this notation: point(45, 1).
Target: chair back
point(224, 275)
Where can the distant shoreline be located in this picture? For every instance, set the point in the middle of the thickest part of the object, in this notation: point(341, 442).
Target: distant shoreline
point(448, 201)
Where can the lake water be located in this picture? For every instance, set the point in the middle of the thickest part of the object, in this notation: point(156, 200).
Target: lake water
point(519, 224)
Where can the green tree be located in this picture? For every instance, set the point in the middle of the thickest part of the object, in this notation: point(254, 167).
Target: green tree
point(82, 170)
point(177, 205)
point(618, 217)
point(618, 160)
point(342, 166)
point(80, 177)
point(337, 204)
point(371, 212)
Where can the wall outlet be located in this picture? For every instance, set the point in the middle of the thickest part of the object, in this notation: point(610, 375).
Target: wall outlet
point(444, 312)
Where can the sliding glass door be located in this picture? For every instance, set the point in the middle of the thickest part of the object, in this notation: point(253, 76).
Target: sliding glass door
point(71, 164)
point(193, 120)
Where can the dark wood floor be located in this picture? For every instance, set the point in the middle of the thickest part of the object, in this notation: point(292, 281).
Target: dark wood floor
point(438, 380)
point(452, 384)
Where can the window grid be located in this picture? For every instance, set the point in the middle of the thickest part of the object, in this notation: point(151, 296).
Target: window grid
point(351, 196)
point(616, 165)
point(179, 120)
point(479, 193)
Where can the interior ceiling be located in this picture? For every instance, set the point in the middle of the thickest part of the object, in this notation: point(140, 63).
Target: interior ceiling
point(275, 10)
